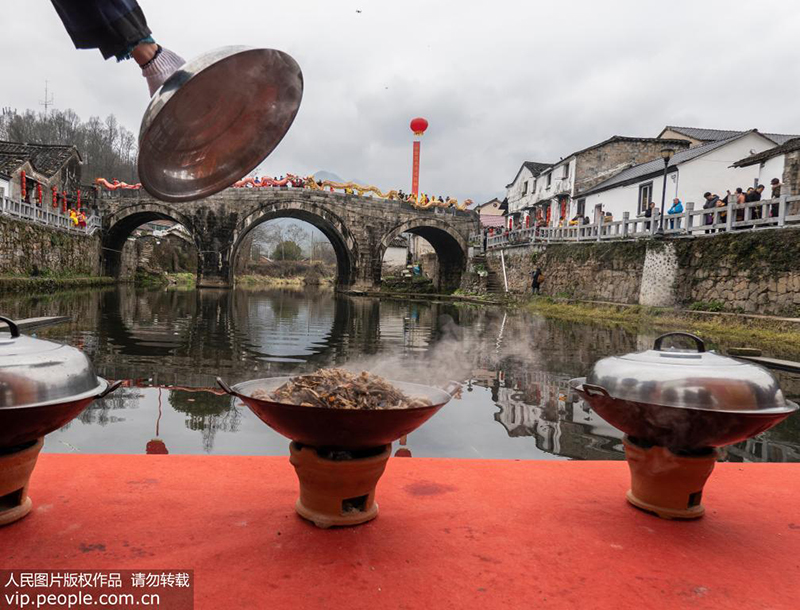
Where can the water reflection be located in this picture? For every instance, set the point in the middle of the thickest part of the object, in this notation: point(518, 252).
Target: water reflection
point(170, 346)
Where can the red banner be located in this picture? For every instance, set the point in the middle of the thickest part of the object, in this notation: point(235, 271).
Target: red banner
point(415, 174)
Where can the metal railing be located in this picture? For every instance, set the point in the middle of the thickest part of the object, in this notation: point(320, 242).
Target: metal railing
point(770, 213)
point(47, 216)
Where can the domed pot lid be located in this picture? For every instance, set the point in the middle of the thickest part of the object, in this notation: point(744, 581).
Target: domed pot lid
point(35, 372)
point(689, 379)
point(216, 119)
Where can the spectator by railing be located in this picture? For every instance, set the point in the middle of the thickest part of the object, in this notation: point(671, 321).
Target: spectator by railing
point(770, 213)
point(45, 215)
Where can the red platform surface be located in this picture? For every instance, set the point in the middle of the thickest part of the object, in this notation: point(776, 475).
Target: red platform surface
point(451, 534)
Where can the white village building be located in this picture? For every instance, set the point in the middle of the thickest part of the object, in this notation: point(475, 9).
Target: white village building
point(705, 167)
point(552, 194)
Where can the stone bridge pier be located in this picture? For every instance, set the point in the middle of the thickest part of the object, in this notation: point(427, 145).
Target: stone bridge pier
point(359, 228)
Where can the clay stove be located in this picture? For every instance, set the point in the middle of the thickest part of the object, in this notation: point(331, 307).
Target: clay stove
point(676, 408)
point(338, 454)
point(43, 385)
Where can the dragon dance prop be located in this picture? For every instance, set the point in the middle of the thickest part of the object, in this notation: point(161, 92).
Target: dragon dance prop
point(351, 188)
point(113, 186)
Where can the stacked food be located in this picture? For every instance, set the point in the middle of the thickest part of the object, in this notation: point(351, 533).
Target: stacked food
point(340, 389)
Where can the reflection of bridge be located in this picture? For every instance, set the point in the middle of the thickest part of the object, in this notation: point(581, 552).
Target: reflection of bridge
point(359, 228)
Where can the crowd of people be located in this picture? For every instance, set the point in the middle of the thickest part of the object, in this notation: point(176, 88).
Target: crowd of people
point(738, 199)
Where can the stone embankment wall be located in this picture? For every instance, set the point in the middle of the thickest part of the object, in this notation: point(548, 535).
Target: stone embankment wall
point(750, 272)
point(754, 272)
point(30, 250)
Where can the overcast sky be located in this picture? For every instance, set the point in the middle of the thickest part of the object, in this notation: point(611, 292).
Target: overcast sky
point(500, 82)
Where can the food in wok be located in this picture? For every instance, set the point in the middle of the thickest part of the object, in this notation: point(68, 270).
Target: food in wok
point(341, 389)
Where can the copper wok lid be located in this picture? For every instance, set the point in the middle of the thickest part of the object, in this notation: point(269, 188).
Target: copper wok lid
point(338, 428)
point(216, 119)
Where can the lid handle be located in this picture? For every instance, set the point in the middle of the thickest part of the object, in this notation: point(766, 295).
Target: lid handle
point(701, 345)
point(12, 326)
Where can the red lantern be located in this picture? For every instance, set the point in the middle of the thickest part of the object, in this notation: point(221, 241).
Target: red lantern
point(64, 202)
point(78, 200)
point(55, 197)
point(418, 126)
point(39, 193)
point(23, 186)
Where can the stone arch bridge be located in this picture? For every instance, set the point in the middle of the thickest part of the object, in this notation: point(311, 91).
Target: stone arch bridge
point(359, 228)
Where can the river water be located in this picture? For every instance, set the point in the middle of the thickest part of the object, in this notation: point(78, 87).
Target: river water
point(170, 345)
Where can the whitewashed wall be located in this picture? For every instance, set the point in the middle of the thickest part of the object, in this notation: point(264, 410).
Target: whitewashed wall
point(516, 200)
point(395, 256)
point(558, 184)
point(710, 172)
point(772, 168)
point(5, 185)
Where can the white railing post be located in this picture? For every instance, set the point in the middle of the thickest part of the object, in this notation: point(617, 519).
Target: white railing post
point(731, 215)
point(626, 216)
point(687, 213)
point(783, 207)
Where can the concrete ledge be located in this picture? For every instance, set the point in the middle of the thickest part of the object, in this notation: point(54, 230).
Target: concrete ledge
point(451, 534)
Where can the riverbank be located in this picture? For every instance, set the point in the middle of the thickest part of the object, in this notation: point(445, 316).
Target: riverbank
point(249, 281)
point(774, 333)
point(50, 284)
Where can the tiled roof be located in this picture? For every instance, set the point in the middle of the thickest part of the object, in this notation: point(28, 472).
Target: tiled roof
point(789, 146)
point(535, 168)
point(637, 172)
point(47, 159)
point(715, 135)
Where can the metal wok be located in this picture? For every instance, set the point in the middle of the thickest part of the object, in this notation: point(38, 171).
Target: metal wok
point(23, 425)
point(338, 428)
point(681, 428)
point(43, 385)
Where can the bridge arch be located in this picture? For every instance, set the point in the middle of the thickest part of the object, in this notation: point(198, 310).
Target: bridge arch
point(331, 225)
point(124, 221)
point(450, 245)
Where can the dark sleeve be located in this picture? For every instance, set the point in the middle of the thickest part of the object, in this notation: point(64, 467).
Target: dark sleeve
point(112, 26)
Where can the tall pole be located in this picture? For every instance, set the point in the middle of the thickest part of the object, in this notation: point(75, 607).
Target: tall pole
point(666, 154)
point(415, 170)
point(418, 126)
point(663, 198)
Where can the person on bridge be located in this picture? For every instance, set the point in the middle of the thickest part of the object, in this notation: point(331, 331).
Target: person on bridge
point(118, 28)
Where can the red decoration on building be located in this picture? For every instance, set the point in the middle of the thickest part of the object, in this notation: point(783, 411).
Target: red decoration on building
point(55, 197)
point(78, 199)
point(23, 187)
point(64, 202)
point(418, 126)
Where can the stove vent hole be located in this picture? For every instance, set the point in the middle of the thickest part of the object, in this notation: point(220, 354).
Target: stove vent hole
point(695, 498)
point(12, 500)
point(354, 505)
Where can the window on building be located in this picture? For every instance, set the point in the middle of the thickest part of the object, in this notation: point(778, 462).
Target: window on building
point(525, 188)
point(645, 196)
point(533, 188)
point(549, 179)
point(581, 211)
point(565, 172)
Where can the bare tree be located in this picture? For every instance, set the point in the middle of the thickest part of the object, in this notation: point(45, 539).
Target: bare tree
point(108, 149)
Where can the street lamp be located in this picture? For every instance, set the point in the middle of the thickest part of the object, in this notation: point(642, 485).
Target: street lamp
point(666, 154)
